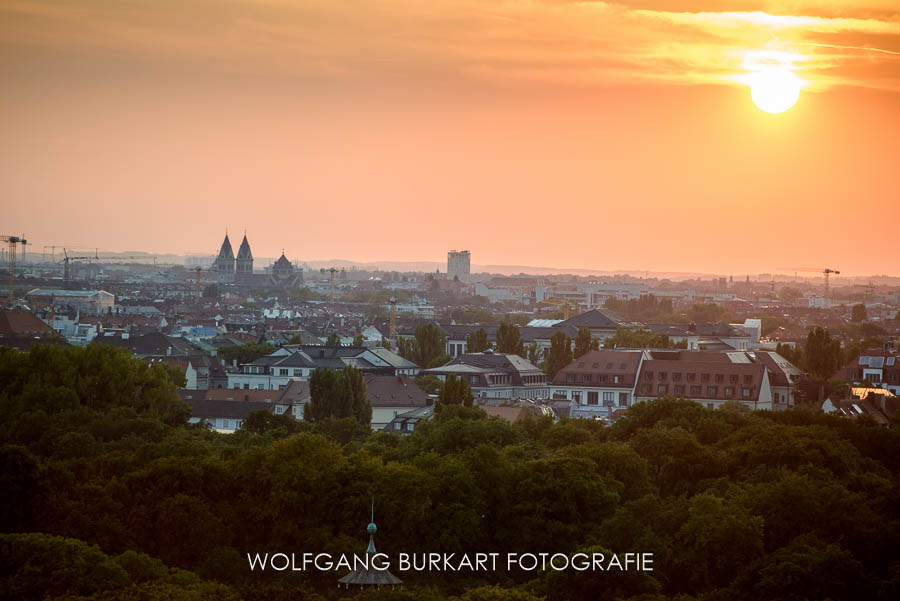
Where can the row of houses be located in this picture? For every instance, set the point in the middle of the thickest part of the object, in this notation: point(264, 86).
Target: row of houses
point(601, 382)
point(226, 409)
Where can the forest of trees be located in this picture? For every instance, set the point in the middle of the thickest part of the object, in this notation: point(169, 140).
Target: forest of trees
point(108, 494)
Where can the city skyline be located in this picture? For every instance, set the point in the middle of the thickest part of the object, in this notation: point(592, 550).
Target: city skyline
point(602, 136)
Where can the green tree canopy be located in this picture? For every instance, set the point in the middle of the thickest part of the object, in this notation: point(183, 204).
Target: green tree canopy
point(584, 342)
point(245, 353)
point(456, 391)
point(337, 394)
point(477, 341)
point(559, 355)
point(508, 339)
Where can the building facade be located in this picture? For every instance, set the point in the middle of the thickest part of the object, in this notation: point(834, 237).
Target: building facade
point(458, 265)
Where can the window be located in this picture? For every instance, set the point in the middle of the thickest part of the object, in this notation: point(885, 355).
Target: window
point(623, 366)
point(397, 425)
point(576, 396)
point(410, 427)
point(645, 388)
point(729, 391)
point(592, 397)
point(748, 378)
point(617, 379)
point(662, 389)
point(601, 378)
point(609, 366)
point(609, 398)
point(710, 406)
point(704, 377)
point(695, 390)
point(586, 378)
point(733, 378)
point(595, 365)
point(279, 409)
point(623, 399)
point(676, 376)
point(691, 377)
point(570, 378)
point(679, 389)
point(246, 386)
point(298, 372)
point(581, 364)
point(720, 378)
point(282, 372)
point(649, 375)
point(663, 375)
point(712, 391)
point(237, 424)
point(745, 392)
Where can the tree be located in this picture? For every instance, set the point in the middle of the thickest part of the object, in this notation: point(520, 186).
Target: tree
point(560, 354)
point(508, 339)
point(385, 343)
point(426, 348)
point(358, 340)
point(584, 343)
point(337, 394)
point(245, 353)
point(533, 353)
point(477, 341)
point(628, 338)
point(333, 340)
point(707, 313)
point(456, 391)
point(822, 354)
point(859, 313)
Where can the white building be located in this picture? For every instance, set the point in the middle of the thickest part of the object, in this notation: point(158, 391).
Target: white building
point(458, 265)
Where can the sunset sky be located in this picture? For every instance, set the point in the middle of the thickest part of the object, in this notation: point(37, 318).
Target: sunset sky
point(605, 135)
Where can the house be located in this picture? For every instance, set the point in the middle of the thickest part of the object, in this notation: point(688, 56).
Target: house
point(391, 396)
point(21, 330)
point(709, 378)
point(597, 382)
point(877, 403)
point(226, 409)
point(496, 375)
point(88, 302)
point(204, 372)
point(602, 323)
point(406, 422)
point(879, 367)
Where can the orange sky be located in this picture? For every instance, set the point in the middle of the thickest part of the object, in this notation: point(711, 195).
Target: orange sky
point(543, 132)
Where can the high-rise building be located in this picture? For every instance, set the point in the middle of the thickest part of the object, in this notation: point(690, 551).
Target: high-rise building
point(458, 264)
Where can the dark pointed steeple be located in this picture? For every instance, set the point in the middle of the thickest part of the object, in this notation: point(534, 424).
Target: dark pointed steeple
point(245, 257)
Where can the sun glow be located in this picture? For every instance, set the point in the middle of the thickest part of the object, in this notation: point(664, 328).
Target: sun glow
point(775, 90)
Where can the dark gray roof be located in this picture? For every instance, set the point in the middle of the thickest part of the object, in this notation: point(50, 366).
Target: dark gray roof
point(598, 319)
point(207, 409)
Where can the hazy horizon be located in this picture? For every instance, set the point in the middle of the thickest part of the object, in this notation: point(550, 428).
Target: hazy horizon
point(601, 136)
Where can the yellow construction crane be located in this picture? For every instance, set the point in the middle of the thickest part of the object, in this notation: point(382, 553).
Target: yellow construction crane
point(11, 265)
point(567, 306)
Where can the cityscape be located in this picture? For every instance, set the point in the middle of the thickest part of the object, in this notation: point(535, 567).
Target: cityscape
point(450, 301)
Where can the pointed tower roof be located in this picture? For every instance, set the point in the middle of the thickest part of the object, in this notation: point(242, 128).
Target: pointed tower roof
point(283, 261)
point(244, 250)
point(225, 252)
point(368, 577)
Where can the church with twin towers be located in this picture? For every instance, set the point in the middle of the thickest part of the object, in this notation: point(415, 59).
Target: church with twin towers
point(238, 271)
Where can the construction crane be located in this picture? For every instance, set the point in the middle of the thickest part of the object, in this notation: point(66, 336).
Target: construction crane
point(392, 332)
point(332, 271)
point(824, 270)
point(11, 258)
point(567, 305)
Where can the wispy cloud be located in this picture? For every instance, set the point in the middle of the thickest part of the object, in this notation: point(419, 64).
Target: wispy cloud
point(537, 42)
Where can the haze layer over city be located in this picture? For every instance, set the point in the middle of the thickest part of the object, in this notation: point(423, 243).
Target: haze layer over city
point(454, 300)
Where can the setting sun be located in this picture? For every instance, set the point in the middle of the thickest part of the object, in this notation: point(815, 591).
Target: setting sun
point(775, 91)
